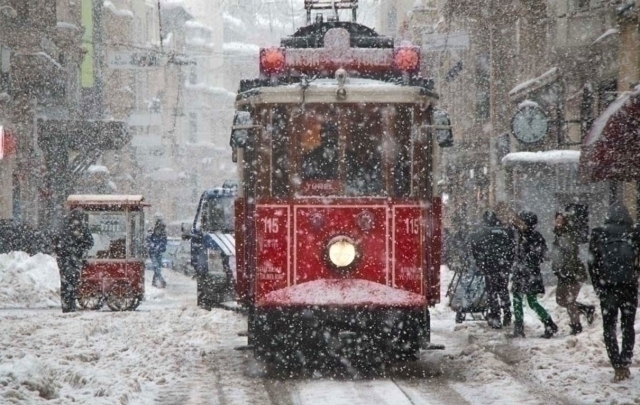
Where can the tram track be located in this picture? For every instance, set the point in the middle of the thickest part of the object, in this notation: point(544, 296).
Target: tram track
point(382, 391)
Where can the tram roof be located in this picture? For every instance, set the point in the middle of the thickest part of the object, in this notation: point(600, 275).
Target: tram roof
point(359, 90)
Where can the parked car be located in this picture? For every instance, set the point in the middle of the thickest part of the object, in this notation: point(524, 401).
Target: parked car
point(181, 258)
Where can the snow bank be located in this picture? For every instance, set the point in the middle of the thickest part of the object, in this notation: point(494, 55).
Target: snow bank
point(29, 281)
point(342, 292)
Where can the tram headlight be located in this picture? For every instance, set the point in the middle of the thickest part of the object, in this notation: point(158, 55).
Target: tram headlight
point(342, 252)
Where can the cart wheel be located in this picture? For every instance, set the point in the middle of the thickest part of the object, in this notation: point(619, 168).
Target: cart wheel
point(460, 316)
point(89, 298)
point(136, 302)
point(92, 300)
point(120, 296)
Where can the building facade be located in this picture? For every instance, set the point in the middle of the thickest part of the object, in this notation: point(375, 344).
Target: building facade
point(495, 59)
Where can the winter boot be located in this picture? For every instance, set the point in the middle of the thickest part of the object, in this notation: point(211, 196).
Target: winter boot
point(494, 322)
point(506, 319)
point(518, 330)
point(550, 328)
point(590, 313)
point(621, 374)
point(576, 328)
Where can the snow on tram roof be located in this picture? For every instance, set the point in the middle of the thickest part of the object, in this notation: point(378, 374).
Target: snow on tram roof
point(105, 199)
point(324, 91)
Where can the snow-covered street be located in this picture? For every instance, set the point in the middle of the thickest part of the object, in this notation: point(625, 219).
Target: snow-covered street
point(171, 352)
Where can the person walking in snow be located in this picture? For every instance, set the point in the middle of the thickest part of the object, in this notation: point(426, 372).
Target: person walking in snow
point(613, 259)
point(526, 280)
point(493, 248)
point(570, 271)
point(156, 246)
point(70, 247)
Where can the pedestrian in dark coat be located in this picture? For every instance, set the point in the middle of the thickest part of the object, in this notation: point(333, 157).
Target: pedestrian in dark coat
point(70, 246)
point(526, 280)
point(613, 255)
point(493, 248)
point(156, 246)
point(571, 272)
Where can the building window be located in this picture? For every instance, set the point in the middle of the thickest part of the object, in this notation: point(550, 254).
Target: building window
point(482, 86)
point(193, 127)
point(193, 75)
point(392, 22)
point(606, 94)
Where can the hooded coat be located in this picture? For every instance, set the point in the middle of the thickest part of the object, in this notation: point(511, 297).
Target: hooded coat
point(617, 224)
point(532, 248)
point(75, 238)
point(157, 241)
point(565, 260)
point(493, 246)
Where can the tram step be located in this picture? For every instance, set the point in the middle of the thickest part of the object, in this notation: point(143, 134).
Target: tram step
point(432, 346)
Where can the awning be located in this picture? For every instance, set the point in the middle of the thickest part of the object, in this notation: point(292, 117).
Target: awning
point(611, 149)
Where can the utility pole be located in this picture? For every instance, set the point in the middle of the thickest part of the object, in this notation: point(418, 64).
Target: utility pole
point(492, 109)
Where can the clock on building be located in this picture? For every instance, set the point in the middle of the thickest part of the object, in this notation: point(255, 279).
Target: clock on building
point(529, 124)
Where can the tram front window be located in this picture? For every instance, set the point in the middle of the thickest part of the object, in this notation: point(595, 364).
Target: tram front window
point(321, 162)
point(352, 150)
point(218, 215)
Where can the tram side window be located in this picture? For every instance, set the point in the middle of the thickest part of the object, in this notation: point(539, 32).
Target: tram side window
point(321, 162)
point(364, 160)
point(218, 215)
point(402, 168)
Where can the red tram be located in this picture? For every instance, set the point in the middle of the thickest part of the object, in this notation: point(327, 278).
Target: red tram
point(338, 226)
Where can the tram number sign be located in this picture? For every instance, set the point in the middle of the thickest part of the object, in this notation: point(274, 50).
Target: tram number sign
point(270, 225)
point(272, 256)
point(407, 250)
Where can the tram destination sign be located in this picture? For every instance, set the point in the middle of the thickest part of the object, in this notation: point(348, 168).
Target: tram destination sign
point(337, 53)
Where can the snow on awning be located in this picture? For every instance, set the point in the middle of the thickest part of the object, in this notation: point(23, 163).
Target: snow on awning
point(610, 32)
point(120, 12)
point(97, 169)
point(611, 148)
point(164, 174)
point(550, 157)
point(528, 86)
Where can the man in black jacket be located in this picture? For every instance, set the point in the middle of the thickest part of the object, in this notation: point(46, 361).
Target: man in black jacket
point(70, 247)
point(493, 248)
point(613, 255)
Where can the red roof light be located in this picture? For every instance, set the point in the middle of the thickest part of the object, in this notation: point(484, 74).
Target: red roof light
point(272, 60)
point(407, 59)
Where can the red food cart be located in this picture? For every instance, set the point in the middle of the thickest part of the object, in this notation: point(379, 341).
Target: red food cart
point(114, 269)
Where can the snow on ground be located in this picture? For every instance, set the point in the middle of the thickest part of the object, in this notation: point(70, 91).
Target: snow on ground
point(148, 356)
point(29, 281)
point(170, 352)
point(565, 369)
